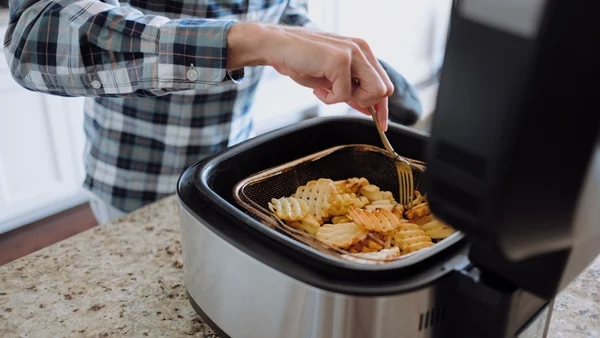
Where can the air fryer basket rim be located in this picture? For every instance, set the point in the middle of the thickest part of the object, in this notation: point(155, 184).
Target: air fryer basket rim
point(201, 178)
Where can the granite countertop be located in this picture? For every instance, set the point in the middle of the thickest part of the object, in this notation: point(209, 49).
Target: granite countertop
point(125, 279)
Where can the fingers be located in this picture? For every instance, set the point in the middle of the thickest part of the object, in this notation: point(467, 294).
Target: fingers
point(381, 110)
point(340, 76)
point(327, 63)
point(362, 56)
point(364, 46)
point(382, 113)
point(312, 82)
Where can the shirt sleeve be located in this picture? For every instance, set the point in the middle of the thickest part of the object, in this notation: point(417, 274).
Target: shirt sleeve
point(296, 14)
point(97, 48)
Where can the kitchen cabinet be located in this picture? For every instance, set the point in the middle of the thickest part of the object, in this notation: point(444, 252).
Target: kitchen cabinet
point(41, 146)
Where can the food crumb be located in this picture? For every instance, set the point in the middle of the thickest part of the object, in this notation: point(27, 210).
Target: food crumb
point(121, 313)
point(179, 316)
point(68, 296)
point(96, 307)
point(178, 264)
point(158, 313)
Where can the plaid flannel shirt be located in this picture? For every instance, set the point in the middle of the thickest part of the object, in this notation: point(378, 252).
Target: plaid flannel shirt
point(159, 97)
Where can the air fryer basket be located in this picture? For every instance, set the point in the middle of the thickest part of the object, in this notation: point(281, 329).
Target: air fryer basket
point(336, 163)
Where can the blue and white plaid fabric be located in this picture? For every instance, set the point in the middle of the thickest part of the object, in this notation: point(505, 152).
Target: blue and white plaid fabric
point(159, 96)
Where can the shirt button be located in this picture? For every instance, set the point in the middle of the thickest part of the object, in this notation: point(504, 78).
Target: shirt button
point(96, 84)
point(192, 75)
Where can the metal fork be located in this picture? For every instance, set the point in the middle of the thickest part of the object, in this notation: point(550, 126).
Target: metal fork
point(405, 174)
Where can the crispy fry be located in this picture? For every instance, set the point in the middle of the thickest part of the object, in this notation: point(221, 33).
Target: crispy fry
point(341, 235)
point(381, 204)
point(398, 211)
point(423, 220)
point(342, 203)
point(409, 234)
point(351, 185)
point(437, 229)
point(361, 218)
point(309, 224)
point(372, 257)
point(317, 195)
point(378, 220)
point(416, 247)
point(418, 211)
point(372, 192)
point(289, 208)
point(340, 219)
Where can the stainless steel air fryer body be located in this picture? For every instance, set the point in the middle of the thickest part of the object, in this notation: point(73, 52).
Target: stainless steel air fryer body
point(246, 298)
point(247, 281)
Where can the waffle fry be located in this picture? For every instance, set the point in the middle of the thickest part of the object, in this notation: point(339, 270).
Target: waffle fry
point(342, 235)
point(372, 192)
point(380, 220)
point(342, 203)
point(358, 217)
point(351, 185)
point(289, 208)
point(340, 219)
point(372, 257)
point(308, 224)
point(317, 195)
point(409, 234)
point(418, 211)
point(381, 204)
point(416, 247)
point(437, 229)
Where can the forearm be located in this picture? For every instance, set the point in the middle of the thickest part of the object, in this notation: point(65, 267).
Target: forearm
point(91, 48)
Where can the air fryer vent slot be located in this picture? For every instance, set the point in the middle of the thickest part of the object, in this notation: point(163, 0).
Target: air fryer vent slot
point(466, 161)
point(430, 318)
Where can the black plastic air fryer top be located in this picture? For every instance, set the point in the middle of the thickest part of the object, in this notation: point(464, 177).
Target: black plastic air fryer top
point(514, 138)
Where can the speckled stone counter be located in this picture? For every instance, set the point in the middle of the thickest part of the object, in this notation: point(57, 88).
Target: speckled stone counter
point(125, 279)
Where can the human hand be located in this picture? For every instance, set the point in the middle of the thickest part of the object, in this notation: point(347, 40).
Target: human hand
point(337, 68)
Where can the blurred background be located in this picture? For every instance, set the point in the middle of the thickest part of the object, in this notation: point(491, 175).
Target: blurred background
point(41, 136)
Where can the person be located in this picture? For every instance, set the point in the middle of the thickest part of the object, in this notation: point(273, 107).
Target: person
point(169, 82)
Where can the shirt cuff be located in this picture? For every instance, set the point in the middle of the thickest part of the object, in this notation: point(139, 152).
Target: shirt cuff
point(194, 51)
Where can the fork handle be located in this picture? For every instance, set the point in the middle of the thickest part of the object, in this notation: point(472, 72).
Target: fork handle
point(384, 139)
